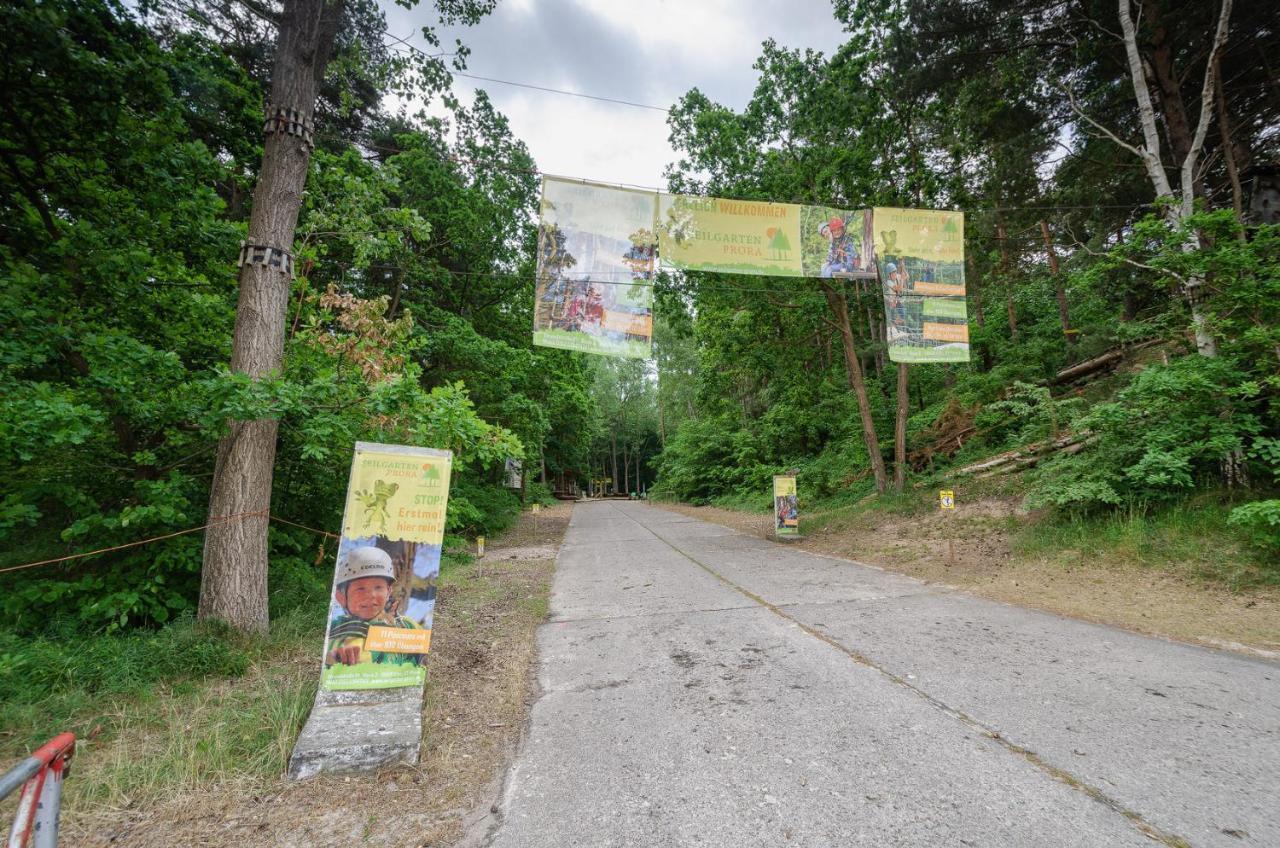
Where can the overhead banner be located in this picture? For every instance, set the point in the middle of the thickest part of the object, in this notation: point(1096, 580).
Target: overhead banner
point(384, 585)
point(921, 254)
point(594, 289)
point(758, 237)
point(786, 507)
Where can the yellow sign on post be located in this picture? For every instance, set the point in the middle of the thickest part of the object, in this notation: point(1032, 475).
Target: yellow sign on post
point(384, 585)
point(537, 508)
point(947, 499)
point(786, 507)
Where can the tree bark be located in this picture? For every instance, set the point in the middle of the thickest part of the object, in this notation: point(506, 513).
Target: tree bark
point(1176, 213)
point(1165, 77)
point(613, 448)
point(900, 431)
point(983, 350)
point(840, 309)
point(233, 580)
point(1008, 283)
point(1229, 153)
point(1058, 289)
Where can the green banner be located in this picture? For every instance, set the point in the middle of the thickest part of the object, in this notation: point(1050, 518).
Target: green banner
point(384, 585)
point(758, 237)
point(921, 253)
point(786, 506)
point(596, 256)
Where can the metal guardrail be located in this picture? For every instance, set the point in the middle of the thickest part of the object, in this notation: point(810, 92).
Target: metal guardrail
point(40, 777)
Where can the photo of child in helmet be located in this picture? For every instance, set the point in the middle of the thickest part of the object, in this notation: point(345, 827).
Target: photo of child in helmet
point(383, 584)
point(837, 243)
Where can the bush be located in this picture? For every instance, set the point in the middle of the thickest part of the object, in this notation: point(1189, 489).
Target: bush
point(1167, 432)
point(1260, 520)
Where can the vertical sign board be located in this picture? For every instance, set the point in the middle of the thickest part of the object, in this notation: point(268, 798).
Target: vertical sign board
point(384, 585)
point(947, 499)
point(596, 256)
point(786, 508)
point(921, 253)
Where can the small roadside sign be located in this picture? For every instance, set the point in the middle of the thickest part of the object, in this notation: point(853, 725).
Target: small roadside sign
point(947, 499)
point(537, 508)
point(479, 546)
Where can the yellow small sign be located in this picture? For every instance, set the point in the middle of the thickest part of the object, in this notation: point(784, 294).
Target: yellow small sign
point(537, 508)
point(479, 546)
point(398, 640)
point(947, 499)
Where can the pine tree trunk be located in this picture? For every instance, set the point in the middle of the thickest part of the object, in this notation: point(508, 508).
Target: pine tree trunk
point(1059, 291)
point(900, 431)
point(233, 581)
point(1008, 284)
point(840, 309)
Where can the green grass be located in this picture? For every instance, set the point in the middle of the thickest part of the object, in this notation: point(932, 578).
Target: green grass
point(175, 708)
point(1191, 539)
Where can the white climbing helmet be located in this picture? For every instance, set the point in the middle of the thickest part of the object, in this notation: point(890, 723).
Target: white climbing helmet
point(366, 561)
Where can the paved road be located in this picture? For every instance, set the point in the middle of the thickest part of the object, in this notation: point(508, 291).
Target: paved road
point(703, 687)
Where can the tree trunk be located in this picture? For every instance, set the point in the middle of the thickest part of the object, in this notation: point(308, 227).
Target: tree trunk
point(1164, 75)
point(840, 309)
point(1229, 153)
point(626, 470)
point(1061, 292)
point(983, 350)
point(1008, 284)
point(1179, 212)
point(613, 449)
point(900, 432)
point(233, 581)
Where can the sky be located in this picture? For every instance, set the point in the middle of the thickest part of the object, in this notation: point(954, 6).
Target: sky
point(644, 51)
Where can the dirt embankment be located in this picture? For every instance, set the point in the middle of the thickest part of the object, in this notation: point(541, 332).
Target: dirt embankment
point(1111, 591)
point(477, 700)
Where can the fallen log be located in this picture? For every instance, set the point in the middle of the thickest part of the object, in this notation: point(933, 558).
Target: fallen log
point(1025, 457)
point(1098, 363)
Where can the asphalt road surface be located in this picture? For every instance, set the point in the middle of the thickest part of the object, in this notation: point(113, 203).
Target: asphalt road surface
point(702, 687)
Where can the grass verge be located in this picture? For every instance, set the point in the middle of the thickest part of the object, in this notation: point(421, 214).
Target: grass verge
point(176, 750)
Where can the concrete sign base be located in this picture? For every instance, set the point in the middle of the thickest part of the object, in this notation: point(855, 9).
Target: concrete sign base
point(359, 731)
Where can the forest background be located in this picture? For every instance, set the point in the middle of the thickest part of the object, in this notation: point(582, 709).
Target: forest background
point(130, 139)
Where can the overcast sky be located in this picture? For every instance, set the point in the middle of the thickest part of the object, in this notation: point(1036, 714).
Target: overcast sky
point(646, 51)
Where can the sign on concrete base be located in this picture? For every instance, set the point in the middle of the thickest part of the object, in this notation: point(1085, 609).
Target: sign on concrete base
point(367, 712)
point(356, 731)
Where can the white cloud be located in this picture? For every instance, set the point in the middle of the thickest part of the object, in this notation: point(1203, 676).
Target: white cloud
point(646, 51)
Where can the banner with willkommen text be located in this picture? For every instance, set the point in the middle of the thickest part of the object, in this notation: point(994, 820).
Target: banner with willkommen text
point(758, 237)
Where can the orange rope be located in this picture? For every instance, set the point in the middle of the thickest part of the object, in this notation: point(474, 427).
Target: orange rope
point(222, 520)
point(305, 527)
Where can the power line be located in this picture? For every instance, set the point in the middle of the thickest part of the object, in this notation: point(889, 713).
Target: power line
point(618, 101)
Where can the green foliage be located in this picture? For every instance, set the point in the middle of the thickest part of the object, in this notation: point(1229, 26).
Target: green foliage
point(60, 670)
point(124, 205)
point(1164, 434)
point(1261, 521)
